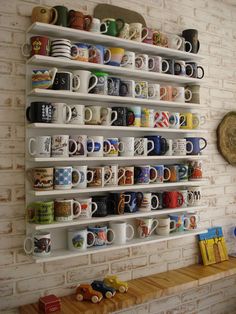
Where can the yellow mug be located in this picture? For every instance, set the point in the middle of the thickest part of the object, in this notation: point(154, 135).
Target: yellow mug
point(116, 56)
point(186, 120)
point(44, 15)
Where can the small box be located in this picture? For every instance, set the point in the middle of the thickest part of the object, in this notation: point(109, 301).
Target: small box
point(49, 304)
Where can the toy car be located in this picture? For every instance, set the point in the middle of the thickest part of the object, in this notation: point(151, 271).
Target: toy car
point(86, 292)
point(114, 282)
point(107, 292)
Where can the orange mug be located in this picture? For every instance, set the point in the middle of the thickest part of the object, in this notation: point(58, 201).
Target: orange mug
point(78, 20)
point(44, 15)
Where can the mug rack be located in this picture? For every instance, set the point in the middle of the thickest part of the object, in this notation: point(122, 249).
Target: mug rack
point(58, 229)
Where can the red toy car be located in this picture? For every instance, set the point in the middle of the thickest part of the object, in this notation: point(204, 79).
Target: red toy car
point(86, 292)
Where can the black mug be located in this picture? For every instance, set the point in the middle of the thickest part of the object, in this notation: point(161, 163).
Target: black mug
point(171, 69)
point(121, 116)
point(124, 90)
point(63, 81)
point(102, 205)
point(117, 203)
point(160, 199)
point(39, 112)
point(191, 35)
point(113, 86)
point(195, 73)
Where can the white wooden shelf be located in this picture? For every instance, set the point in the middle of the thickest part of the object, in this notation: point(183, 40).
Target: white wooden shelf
point(95, 220)
point(109, 41)
point(64, 253)
point(112, 128)
point(118, 188)
point(116, 159)
point(38, 60)
point(122, 101)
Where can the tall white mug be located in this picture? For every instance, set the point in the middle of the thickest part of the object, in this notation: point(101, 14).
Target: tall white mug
point(121, 230)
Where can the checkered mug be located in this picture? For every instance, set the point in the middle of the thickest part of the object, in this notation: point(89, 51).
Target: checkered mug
point(63, 178)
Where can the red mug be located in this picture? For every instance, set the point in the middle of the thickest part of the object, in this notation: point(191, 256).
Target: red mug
point(79, 21)
point(172, 199)
point(39, 45)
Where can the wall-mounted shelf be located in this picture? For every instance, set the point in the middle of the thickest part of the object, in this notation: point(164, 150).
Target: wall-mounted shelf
point(63, 253)
point(96, 220)
point(118, 188)
point(109, 41)
point(38, 60)
point(122, 101)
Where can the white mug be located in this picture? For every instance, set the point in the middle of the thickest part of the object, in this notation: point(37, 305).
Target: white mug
point(128, 60)
point(121, 230)
point(174, 41)
point(187, 195)
point(108, 116)
point(182, 94)
point(164, 226)
point(77, 239)
point(180, 147)
point(61, 113)
point(36, 248)
point(84, 78)
point(194, 220)
point(146, 202)
point(136, 31)
point(141, 62)
point(198, 120)
point(112, 175)
point(40, 146)
point(88, 208)
point(64, 210)
point(196, 198)
point(98, 27)
point(101, 176)
point(174, 120)
point(154, 91)
point(141, 146)
point(128, 146)
point(146, 227)
point(100, 114)
point(81, 145)
point(60, 146)
point(157, 64)
point(80, 114)
point(125, 32)
point(83, 178)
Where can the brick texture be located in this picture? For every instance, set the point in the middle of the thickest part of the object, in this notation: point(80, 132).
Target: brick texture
point(22, 281)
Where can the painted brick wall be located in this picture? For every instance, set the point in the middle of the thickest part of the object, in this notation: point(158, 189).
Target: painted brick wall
point(22, 281)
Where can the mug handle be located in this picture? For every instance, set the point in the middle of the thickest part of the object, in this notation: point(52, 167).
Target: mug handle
point(155, 226)
point(158, 203)
point(103, 24)
point(77, 51)
point(146, 33)
point(188, 198)
point(54, 11)
point(90, 114)
point(93, 144)
point(121, 147)
point(205, 143)
point(128, 226)
point(182, 199)
point(92, 176)
point(167, 66)
point(28, 114)
point(53, 73)
point(123, 174)
point(187, 43)
point(165, 93)
point(152, 147)
point(110, 146)
point(113, 233)
point(174, 227)
point(175, 121)
point(191, 145)
point(125, 63)
point(76, 83)
point(186, 225)
point(31, 140)
point(128, 199)
point(32, 247)
point(139, 93)
point(79, 206)
point(156, 174)
point(119, 29)
point(164, 145)
point(142, 63)
point(25, 50)
point(94, 50)
point(79, 177)
point(203, 73)
point(185, 172)
point(132, 35)
point(169, 174)
point(88, 22)
point(110, 176)
point(188, 91)
point(198, 45)
point(95, 207)
point(69, 113)
point(179, 41)
point(109, 55)
point(184, 119)
point(153, 64)
point(153, 92)
point(95, 83)
point(94, 238)
point(76, 146)
point(196, 122)
point(113, 112)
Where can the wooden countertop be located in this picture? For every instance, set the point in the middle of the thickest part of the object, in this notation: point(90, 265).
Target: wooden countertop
point(148, 288)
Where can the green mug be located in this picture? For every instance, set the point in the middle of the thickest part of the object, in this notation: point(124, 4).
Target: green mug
point(62, 15)
point(41, 212)
point(113, 27)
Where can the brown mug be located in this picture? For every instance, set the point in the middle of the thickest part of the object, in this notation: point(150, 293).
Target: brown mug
point(44, 15)
point(79, 21)
point(41, 178)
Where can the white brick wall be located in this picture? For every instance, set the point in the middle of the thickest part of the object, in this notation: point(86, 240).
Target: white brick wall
point(23, 281)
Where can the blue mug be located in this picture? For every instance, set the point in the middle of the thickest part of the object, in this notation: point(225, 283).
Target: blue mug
point(160, 145)
point(81, 53)
point(163, 174)
point(196, 143)
point(142, 174)
point(99, 54)
point(93, 146)
point(182, 222)
point(63, 178)
point(131, 206)
point(100, 234)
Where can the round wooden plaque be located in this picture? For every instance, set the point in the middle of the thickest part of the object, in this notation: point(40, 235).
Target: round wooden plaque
point(226, 137)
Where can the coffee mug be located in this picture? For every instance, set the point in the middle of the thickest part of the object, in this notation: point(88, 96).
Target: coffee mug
point(130, 88)
point(61, 113)
point(126, 175)
point(143, 146)
point(182, 222)
point(196, 144)
point(169, 147)
point(118, 201)
point(43, 78)
point(97, 146)
point(191, 35)
point(98, 27)
point(87, 81)
point(114, 148)
point(78, 20)
point(63, 178)
point(41, 178)
point(98, 114)
point(62, 15)
point(147, 118)
point(194, 220)
point(101, 235)
point(187, 195)
point(195, 70)
point(116, 56)
point(195, 91)
point(182, 147)
point(85, 176)
point(80, 52)
point(125, 32)
point(176, 172)
point(66, 81)
point(137, 32)
point(113, 86)
point(40, 146)
point(78, 239)
point(131, 204)
point(63, 48)
point(39, 45)
point(113, 178)
point(123, 232)
point(142, 174)
point(134, 116)
point(40, 212)
point(160, 199)
point(60, 146)
point(44, 15)
point(146, 202)
point(102, 203)
point(128, 60)
point(160, 39)
point(121, 119)
point(186, 120)
point(101, 176)
point(172, 199)
point(80, 114)
point(176, 120)
point(114, 26)
point(63, 210)
point(40, 244)
point(174, 41)
point(108, 116)
point(195, 170)
point(196, 197)
point(88, 207)
point(198, 120)
point(162, 119)
point(39, 112)
point(128, 146)
point(154, 91)
point(80, 146)
point(163, 174)
point(164, 226)
point(146, 226)
point(182, 94)
point(183, 68)
point(99, 54)
point(101, 87)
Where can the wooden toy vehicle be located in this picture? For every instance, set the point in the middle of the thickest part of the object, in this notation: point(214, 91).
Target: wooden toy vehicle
point(86, 292)
point(107, 292)
point(114, 282)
